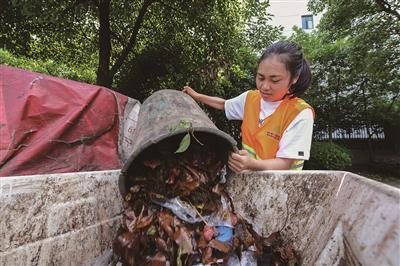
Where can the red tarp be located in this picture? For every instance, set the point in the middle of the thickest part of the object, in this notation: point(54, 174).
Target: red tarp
point(52, 125)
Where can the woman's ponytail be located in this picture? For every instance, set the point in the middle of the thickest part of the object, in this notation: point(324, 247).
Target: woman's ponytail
point(304, 80)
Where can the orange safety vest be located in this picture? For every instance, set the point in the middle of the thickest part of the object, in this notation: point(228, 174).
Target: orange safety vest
point(262, 142)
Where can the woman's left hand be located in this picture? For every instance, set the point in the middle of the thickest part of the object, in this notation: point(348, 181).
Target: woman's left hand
point(238, 162)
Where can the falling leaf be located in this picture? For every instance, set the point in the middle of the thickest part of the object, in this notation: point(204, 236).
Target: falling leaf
point(158, 260)
point(201, 242)
point(165, 221)
point(221, 246)
point(130, 214)
point(200, 206)
point(161, 244)
point(192, 172)
point(157, 196)
point(207, 255)
point(128, 197)
point(185, 142)
point(287, 252)
point(173, 174)
point(125, 239)
point(183, 238)
point(134, 189)
point(185, 188)
point(151, 231)
point(234, 219)
point(145, 221)
point(152, 163)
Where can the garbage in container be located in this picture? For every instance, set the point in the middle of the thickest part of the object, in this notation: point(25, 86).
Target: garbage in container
point(185, 217)
point(177, 211)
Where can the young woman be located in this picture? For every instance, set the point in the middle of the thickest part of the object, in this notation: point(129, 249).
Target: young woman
point(277, 125)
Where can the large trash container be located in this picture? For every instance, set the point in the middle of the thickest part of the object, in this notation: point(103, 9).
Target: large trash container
point(164, 119)
point(332, 218)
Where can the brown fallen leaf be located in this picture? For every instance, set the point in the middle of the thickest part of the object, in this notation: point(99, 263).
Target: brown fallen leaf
point(221, 246)
point(144, 222)
point(201, 242)
point(234, 219)
point(173, 174)
point(126, 238)
point(184, 188)
point(158, 260)
point(192, 172)
point(244, 235)
point(207, 256)
point(183, 238)
point(287, 252)
point(273, 239)
point(130, 213)
point(135, 189)
point(161, 244)
point(165, 220)
point(152, 163)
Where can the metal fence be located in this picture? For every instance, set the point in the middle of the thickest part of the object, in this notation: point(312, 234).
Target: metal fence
point(340, 134)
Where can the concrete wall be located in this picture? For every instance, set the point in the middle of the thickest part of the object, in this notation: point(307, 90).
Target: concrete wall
point(58, 219)
point(330, 217)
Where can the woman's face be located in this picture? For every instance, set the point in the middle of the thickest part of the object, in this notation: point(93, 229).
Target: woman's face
point(273, 79)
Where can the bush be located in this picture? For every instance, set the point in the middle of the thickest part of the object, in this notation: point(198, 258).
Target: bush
point(77, 73)
point(328, 156)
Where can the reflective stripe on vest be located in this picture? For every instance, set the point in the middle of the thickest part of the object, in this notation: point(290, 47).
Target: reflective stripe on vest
point(250, 150)
point(297, 165)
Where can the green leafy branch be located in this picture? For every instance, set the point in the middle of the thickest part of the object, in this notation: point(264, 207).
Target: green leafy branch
point(185, 142)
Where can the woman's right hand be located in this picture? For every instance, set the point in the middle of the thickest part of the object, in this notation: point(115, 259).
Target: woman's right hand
point(191, 92)
point(214, 102)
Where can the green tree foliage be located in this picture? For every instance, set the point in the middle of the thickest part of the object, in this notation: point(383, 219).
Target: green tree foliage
point(49, 30)
point(140, 46)
point(331, 83)
point(48, 67)
point(116, 32)
point(355, 57)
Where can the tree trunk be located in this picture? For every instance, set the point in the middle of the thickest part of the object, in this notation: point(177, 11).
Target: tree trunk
point(132, 40)
point(105, 73)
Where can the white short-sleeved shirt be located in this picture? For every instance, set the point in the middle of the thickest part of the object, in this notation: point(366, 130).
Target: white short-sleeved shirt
point(296, 140)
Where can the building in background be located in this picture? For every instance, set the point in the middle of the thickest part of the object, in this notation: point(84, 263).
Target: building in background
point(289, 13)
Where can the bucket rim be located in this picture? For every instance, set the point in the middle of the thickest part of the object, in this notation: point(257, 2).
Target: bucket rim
point(151, 142)
point(214, 131)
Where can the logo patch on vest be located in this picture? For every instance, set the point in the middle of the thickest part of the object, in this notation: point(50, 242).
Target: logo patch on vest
point(301, 153)
point(273, 135)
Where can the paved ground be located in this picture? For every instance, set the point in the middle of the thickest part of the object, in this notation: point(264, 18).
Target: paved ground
point(385, 173)
point(387, 179)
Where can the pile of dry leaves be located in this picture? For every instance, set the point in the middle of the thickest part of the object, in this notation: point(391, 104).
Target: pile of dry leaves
point(177, 213)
